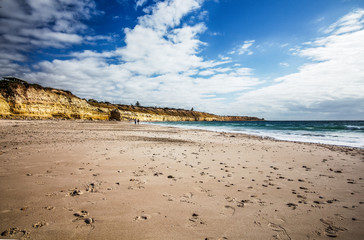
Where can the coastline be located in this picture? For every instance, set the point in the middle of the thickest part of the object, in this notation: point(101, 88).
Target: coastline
point(335, 138)
point(117, 180)
point(22, 100)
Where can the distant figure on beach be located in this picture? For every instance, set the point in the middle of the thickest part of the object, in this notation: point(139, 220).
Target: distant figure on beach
point(135, 121)
point(138, 121)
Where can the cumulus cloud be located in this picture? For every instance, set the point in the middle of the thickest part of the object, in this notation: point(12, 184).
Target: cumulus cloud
point(159, 65)
point(168, 14)
point(164, 52)
point(140, 3)
point(32, 24)
point(335, 76)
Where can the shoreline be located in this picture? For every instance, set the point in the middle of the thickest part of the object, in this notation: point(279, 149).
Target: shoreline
point(255, 135)
point(117, 180)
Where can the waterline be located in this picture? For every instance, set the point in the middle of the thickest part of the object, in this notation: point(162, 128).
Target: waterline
point(341, 133)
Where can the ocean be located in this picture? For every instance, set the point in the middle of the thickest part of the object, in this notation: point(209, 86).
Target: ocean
point(341, 133)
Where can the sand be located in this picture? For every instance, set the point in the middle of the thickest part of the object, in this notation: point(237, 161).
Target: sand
point(117, 180)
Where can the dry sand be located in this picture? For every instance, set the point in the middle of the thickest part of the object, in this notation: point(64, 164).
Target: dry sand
point(115, 180)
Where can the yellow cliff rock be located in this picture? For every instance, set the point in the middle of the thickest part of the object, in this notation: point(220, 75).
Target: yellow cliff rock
point(21, 100)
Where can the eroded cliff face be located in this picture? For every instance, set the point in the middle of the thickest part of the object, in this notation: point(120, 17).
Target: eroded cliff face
point(21, 100)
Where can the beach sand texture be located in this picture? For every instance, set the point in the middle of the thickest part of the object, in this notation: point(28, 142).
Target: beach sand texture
point(117, 180)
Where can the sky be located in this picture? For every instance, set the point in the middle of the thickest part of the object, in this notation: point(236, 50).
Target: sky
point(274, 59)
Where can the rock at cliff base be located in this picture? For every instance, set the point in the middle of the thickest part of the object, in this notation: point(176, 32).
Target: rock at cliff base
point(115, 115)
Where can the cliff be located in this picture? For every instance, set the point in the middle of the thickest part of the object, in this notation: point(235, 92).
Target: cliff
point(21, 100)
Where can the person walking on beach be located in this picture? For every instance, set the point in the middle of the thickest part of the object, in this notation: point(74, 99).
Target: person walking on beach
point(138, 121)
point(135, 121)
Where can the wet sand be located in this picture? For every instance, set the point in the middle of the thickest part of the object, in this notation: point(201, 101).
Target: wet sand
point(117, 180)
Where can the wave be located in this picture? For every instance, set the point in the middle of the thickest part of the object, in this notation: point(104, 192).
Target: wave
point(352, 127)
point(329, 132)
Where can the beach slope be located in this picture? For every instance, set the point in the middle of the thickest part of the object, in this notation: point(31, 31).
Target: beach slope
point(116, 180)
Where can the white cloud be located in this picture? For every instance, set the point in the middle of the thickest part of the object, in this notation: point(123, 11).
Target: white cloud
point(334, 78)
point(245, 48)
point(173, 51)
point(33, 24)
point(168, 14)
point(222, 83)
point(98, 38)
point(224, 58)
point(206, 73)
point(203, 15)
point(93, 54)
point(284, 64)
point(140, 3)
point(161, 64)
point(48, 37)
point(157, 66)
point(348, 23)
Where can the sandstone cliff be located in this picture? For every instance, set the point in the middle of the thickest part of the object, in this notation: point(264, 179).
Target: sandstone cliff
point(21, 100)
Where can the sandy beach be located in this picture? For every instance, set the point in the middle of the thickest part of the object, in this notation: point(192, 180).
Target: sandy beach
point(117, 180)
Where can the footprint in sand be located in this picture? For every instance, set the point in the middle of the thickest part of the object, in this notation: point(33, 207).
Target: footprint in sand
point(49, 208)
point(229, 209)
point(221, 238)
point(281, 231)
point(83, 216)
point(142, 218)
point(237, 202)
point(93, 187)
point(330, 229)
point(292, 205)
point(40, 224)
point(351, 181)
point(196, 220)
point(16, 233)
point(80, 215)
point(186, 198)
point(89, 221)
point(75, 192)
point(169, 197)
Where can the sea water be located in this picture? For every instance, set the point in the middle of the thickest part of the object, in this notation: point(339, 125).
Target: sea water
point(342, 133)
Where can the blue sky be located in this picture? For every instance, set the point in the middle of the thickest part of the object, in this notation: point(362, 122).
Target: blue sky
point(277, 59)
